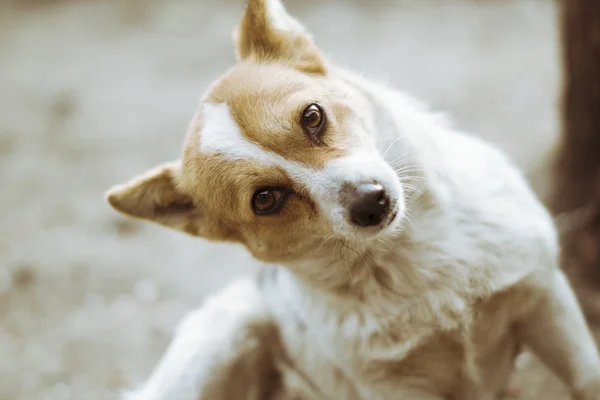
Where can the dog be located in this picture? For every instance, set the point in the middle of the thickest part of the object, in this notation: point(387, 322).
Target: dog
point(403, 259)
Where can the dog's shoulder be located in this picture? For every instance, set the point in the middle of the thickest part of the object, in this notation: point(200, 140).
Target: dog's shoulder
point(479, 213)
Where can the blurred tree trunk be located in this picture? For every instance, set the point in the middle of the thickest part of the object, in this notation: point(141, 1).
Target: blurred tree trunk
point(576, 198)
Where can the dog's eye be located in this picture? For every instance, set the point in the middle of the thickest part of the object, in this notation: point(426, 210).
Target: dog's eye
point(267, 201)
point(313, 121)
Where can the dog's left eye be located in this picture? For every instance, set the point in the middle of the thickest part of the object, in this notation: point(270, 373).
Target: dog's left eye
point(313, 121)
point(267, 201)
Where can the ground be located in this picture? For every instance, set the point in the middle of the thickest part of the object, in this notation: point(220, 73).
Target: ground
point(93, 92)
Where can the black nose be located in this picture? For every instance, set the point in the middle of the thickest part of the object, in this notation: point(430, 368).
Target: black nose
point(368, 205)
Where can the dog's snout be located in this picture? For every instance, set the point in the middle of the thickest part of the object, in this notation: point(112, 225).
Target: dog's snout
point(367, 204)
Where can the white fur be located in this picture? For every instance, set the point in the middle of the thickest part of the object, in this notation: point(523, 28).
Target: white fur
point(281, 20)
point(221, 135)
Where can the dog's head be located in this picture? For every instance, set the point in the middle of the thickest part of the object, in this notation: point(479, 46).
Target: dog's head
point(281, 155)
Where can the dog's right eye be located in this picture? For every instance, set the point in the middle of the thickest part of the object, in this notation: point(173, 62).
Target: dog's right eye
point(267, 201)
point(313, 121)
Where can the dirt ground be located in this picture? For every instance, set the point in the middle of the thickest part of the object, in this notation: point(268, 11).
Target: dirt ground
point(93, 92)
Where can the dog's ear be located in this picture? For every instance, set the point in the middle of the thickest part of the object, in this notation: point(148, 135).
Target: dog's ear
point(155, 196)
point(268, 33)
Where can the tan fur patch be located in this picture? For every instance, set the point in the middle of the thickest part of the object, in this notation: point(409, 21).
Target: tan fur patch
point(252, 374)
point(267, 101)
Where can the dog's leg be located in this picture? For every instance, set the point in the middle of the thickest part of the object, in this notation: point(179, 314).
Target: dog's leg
point(557, 332)
point(224, 350)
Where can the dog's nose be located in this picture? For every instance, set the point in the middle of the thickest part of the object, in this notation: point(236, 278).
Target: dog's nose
point(368, 205)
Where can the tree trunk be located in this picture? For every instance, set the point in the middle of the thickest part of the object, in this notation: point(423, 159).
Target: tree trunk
point(576, 198)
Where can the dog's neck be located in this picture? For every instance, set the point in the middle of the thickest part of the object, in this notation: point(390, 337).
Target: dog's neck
point(364, 276)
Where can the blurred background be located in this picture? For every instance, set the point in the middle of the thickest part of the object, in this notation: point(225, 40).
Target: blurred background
point(93, 92)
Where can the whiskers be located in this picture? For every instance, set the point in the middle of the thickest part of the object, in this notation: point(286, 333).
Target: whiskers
point(354, 266)
point(405, 170)
point(411, 177)
point(326, 240)
point(347, 261)
point(390, 146)
point(349, 256)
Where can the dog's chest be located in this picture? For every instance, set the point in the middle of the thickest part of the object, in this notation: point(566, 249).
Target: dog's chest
point(354, 356)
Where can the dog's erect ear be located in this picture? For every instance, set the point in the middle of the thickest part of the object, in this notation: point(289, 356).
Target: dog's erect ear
point(155, 197)
point(268, 33)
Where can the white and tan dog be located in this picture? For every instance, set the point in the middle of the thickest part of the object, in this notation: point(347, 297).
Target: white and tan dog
point(413, 261)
